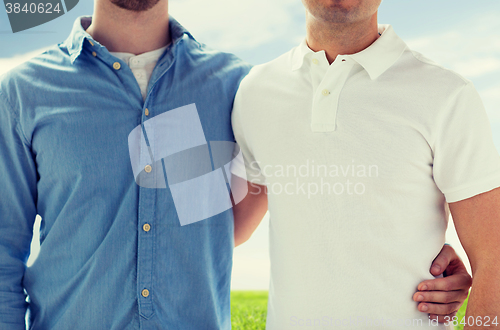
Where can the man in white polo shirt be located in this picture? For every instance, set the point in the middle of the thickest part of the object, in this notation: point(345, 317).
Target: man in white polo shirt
point(362, 144)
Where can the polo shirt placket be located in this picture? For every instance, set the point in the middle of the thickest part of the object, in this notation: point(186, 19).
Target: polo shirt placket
point(327, 93)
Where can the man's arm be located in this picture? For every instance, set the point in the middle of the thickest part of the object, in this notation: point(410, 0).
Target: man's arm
point(443, 297)
point(249, 212)
point(477, 221)
point(18, 181)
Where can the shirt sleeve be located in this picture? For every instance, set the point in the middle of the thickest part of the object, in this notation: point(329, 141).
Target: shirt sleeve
point(17, 215)
point(248, 164)
point(466, 162)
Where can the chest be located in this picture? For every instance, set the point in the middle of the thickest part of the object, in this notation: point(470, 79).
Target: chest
point(386, 132)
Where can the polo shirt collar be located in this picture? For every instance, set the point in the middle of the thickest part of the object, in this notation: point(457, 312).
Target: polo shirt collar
point(376, 59)
point(75, 42)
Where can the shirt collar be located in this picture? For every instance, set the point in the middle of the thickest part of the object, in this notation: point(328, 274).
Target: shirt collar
point(78, 35)
point(376, 59)
point(146, 58)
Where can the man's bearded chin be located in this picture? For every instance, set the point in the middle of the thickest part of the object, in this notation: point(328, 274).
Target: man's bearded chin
point(135, 5)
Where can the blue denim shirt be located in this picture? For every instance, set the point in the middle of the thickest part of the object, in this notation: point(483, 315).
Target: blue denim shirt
point(65, 118)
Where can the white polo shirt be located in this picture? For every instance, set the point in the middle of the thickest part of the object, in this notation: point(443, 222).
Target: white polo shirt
point(359, 157)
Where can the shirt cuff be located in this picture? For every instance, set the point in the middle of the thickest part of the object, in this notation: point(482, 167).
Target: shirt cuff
point(238, 167)
point(472, 190)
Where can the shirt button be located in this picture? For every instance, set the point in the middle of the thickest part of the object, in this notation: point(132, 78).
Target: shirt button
point(146, 112)
point(116, 66)
point(146, 227)
point(315, 61)
point(145, 293)
point(325, 92)
point(91, 43)
point(148, 168)
point(94, 54)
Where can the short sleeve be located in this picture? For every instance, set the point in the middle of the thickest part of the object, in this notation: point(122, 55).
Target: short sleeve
point(247, 163)
point(466, 162)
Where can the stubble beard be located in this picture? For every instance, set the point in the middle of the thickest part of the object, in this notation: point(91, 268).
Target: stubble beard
point(135, 5)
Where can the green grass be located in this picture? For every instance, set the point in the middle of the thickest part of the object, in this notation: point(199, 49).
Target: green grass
point(461, 315)
point(249, 310)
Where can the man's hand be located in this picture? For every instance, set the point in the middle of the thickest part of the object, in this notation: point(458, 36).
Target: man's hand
point(443, 297)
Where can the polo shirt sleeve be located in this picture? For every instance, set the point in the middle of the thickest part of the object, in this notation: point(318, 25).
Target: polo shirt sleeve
point(247, 165)
point(466, 162)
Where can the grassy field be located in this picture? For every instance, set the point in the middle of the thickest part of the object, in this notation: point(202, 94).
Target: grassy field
point(461, 314)
point(249, 310)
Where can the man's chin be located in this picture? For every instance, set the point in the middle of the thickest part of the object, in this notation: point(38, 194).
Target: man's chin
point(135, 5)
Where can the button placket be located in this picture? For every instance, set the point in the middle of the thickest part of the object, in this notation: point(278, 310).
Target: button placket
point(318, 71)
point(326, 97)
point(146, 238)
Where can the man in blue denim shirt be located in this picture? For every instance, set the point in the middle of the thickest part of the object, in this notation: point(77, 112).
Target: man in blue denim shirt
point(113, 253)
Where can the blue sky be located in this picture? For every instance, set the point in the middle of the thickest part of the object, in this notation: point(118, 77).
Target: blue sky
point(461, 35)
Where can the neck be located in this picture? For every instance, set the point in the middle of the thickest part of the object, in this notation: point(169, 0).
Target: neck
point(126, 31)
point(340, 38)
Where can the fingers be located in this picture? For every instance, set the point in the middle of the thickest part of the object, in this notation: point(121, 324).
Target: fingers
point(441, 297)
point(439, 309)
point(443, 259)
point(460, 281)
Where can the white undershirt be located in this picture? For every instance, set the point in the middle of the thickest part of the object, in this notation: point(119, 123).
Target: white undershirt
point(142, 66)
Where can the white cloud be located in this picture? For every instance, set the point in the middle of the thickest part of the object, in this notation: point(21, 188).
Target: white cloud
point(476, 67)
point(491, 100)
point(35, 242)
point(454, 241)
point(251, 265)
point(237, 24)
point(7, 64)
point(471, 48)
